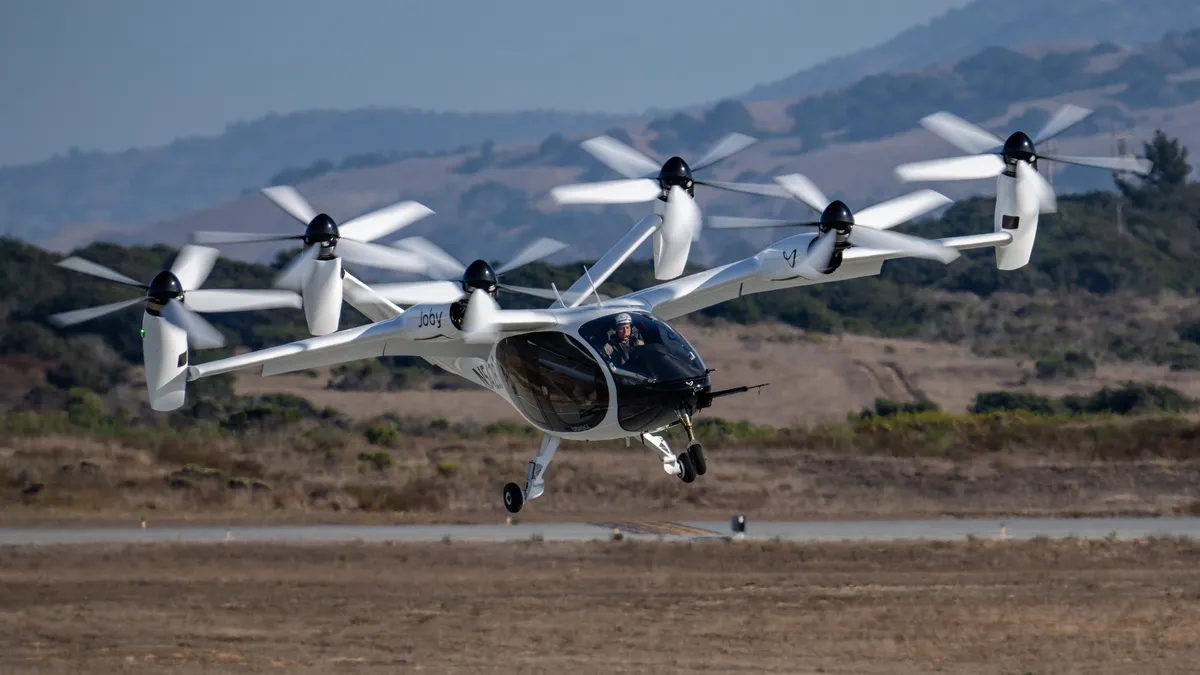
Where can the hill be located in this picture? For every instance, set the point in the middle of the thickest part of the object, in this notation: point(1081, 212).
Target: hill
point(113, 192)
point(1093, 298)
point(848, 139)
point(493, 180)
point(983, 23)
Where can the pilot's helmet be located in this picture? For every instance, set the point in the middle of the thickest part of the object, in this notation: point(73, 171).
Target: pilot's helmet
point(624, 319)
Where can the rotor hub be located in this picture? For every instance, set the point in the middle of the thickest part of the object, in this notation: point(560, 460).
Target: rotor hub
point(479, 275)
point(164, 287)
point(321, 230)
point(837, 216)
point(1019, 147)
point(675, 172)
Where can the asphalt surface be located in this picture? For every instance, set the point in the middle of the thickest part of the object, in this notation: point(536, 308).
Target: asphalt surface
point(945, 530)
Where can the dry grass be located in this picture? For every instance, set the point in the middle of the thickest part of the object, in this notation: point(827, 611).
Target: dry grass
point(292, 478)
point(813, 378)
point(970, 608)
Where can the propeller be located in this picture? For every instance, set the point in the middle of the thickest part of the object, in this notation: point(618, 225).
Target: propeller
point(639, 187)
point(324, 238)
point(454, 280)
point(839, 227)
point(1017, 156)
point(175, 294)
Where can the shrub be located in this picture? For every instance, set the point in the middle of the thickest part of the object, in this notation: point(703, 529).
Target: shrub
point(380, 434)
point(380, 459)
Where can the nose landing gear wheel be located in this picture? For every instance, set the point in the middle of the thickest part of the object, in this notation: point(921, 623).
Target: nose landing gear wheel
point(514, 497)
point(697, 454)
point(687, 472)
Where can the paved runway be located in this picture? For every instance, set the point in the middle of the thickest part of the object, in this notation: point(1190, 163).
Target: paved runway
point(946, 530)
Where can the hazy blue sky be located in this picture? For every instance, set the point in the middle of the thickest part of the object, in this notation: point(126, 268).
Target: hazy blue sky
point(110, 74)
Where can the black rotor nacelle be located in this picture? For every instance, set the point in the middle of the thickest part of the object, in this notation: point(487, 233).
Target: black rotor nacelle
point(480, 275)
point(164, 287)
point(1019, 147)
point(837, 216)
point(675, 171)
point(321, 230)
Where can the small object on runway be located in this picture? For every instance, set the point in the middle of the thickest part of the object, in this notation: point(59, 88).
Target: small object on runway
point(616, 534)
point(143, 523)
point(738, 525)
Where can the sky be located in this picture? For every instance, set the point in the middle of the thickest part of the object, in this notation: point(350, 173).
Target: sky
point(113, 74)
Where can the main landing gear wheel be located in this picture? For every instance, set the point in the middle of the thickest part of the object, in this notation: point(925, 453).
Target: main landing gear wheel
point(514, 497)
point(687, 470)
point(697, 454)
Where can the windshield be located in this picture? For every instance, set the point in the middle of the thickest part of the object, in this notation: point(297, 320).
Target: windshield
point(640, 349)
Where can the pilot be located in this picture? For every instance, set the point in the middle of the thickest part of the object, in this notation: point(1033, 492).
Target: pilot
point(620, 347)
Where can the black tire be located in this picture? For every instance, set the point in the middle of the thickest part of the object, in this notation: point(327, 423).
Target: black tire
point(514, 497)
point(697, 454)
point(688, 473)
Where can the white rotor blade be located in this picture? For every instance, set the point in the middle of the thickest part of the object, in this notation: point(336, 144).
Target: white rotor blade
point(969, 138)
point(295, 273)
point(861, 235)
point(969, 167)
point(608, 192)
point(481, 319)
point(542, 248)
point(738, 223)
point(1066, 117)
point(73, 317)
point(1136, 165)
point(749, 188)
point(210, 237)
point(725, 148)
point(441, 264)
point(223, 300)
point(1034, 191)
point(374, 255)
point(419, 292)
point(814, 264)
point(201, 334)
point(619, 157)
point(902, 209)
point(380, 223)
point(800, 187)
point(88, 267)
point(286, 198)
point(193, 265)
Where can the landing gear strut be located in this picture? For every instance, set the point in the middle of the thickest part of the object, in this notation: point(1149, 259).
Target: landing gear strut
point(682, 465)
point(695, 451)
point(535, 484)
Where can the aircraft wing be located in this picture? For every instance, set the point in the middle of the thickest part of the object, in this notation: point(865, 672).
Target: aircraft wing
point(694, 292)
point(420, 331)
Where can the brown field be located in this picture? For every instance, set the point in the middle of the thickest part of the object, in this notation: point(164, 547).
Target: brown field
point(972, 608)
point(450, 480)
point(812, 378)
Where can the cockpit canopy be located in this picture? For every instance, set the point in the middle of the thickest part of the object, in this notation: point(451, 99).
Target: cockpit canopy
point(651, 353)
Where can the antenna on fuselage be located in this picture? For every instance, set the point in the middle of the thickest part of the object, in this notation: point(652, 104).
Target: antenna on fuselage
point(593, 284)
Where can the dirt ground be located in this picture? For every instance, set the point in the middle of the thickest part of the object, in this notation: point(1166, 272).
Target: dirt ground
point(812, 378)
point(609, 607)
point(462, 481)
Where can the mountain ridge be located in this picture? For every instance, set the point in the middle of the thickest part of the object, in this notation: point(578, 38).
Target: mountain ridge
point(985, 23)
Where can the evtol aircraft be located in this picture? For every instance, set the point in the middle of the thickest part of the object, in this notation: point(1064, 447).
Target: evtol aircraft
point(585, 368)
